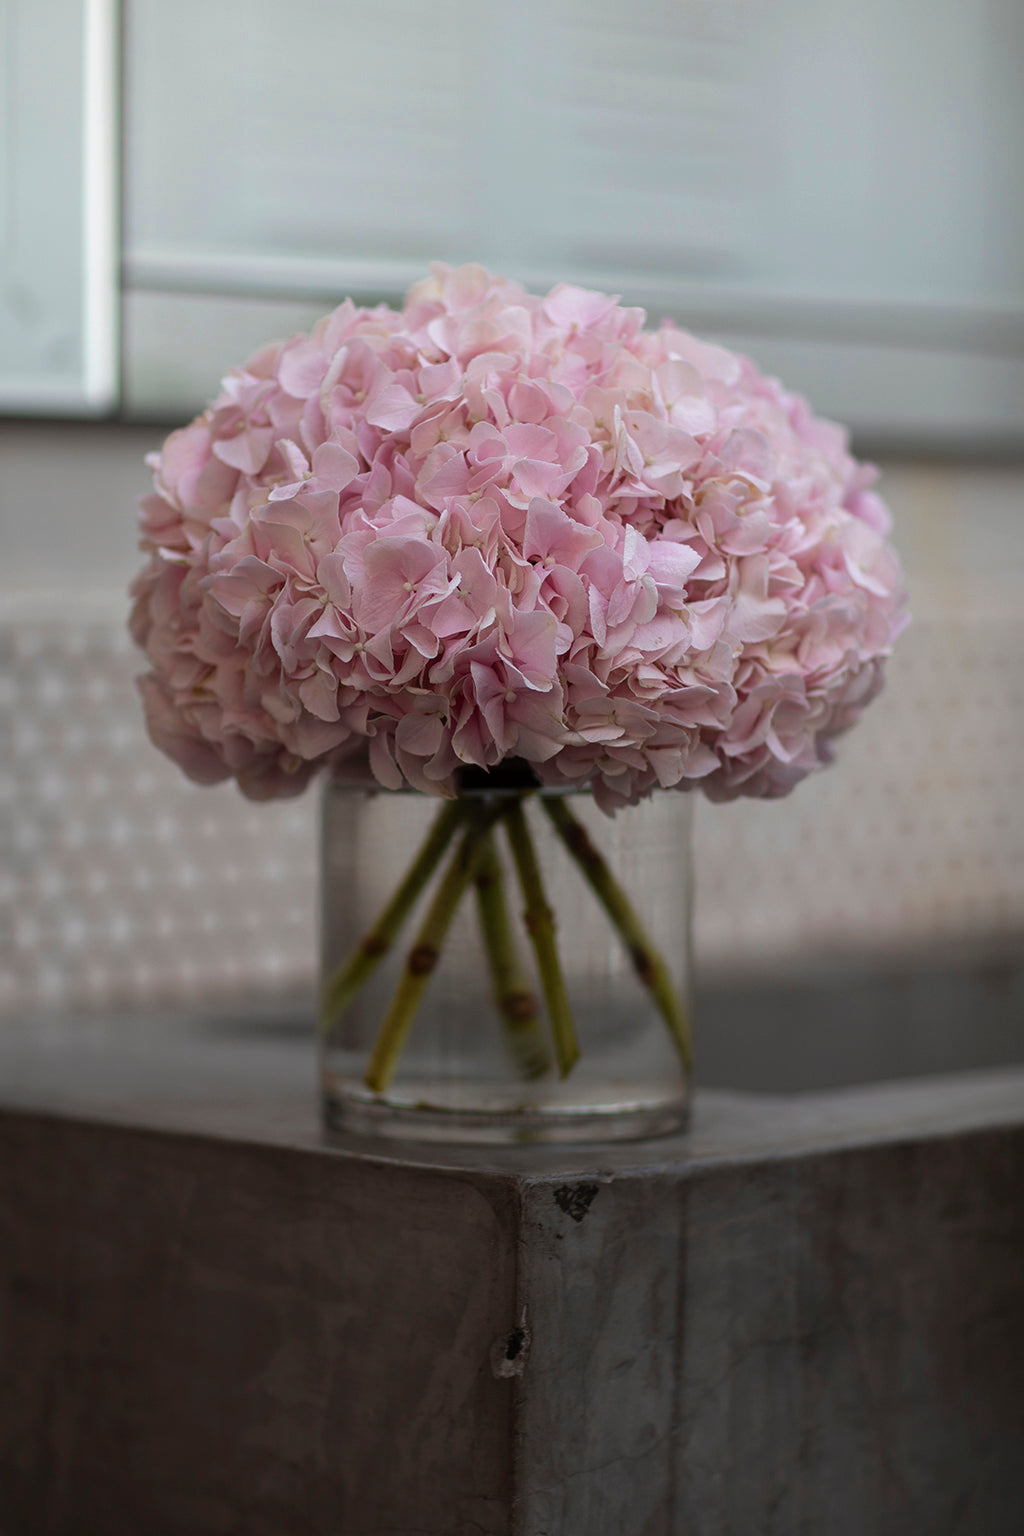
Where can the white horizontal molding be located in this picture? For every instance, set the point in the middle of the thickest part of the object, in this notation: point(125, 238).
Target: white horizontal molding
point(268, 276)
point(179, 344)
point(36, 394)
point(971, 327)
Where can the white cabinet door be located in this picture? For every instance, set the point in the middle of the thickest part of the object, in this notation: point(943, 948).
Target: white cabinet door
point(833, 188)
point(58, 251)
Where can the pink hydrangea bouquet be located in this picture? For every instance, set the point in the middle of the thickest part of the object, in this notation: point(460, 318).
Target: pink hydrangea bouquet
point(500, 540)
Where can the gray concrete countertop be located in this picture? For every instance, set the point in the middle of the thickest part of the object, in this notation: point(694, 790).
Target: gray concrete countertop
point(203, 1074)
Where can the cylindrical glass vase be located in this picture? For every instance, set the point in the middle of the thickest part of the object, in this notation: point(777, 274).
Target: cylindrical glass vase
point(467, 1037)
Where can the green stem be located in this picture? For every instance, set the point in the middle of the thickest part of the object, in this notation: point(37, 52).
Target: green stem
point(426, 950)
point(379, 939)
point(512, 997)
point(647, 962)
point(540, 925)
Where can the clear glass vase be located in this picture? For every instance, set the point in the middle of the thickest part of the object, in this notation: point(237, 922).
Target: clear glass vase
point(471, 1037)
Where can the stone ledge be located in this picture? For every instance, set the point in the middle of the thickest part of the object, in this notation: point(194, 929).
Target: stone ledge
point(806, 1316)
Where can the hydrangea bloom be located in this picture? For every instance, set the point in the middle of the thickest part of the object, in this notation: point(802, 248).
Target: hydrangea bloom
point(495, 525)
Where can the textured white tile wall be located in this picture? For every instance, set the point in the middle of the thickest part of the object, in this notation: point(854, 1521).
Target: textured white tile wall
point(119, 880)
point(914, 836)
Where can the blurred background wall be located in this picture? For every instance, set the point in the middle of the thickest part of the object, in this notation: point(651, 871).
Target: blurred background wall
point(833, 189)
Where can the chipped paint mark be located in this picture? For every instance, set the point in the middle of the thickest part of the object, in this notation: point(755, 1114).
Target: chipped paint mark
point(510, 1352)
point(576, 1199)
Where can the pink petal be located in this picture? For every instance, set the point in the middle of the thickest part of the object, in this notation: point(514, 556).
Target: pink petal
point(392, 409)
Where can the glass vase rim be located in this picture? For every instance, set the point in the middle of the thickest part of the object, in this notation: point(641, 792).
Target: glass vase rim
point(474, 792)
point(516, 780)
point(338, 784)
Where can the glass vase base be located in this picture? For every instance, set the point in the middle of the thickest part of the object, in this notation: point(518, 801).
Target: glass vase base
point(368, 1115)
